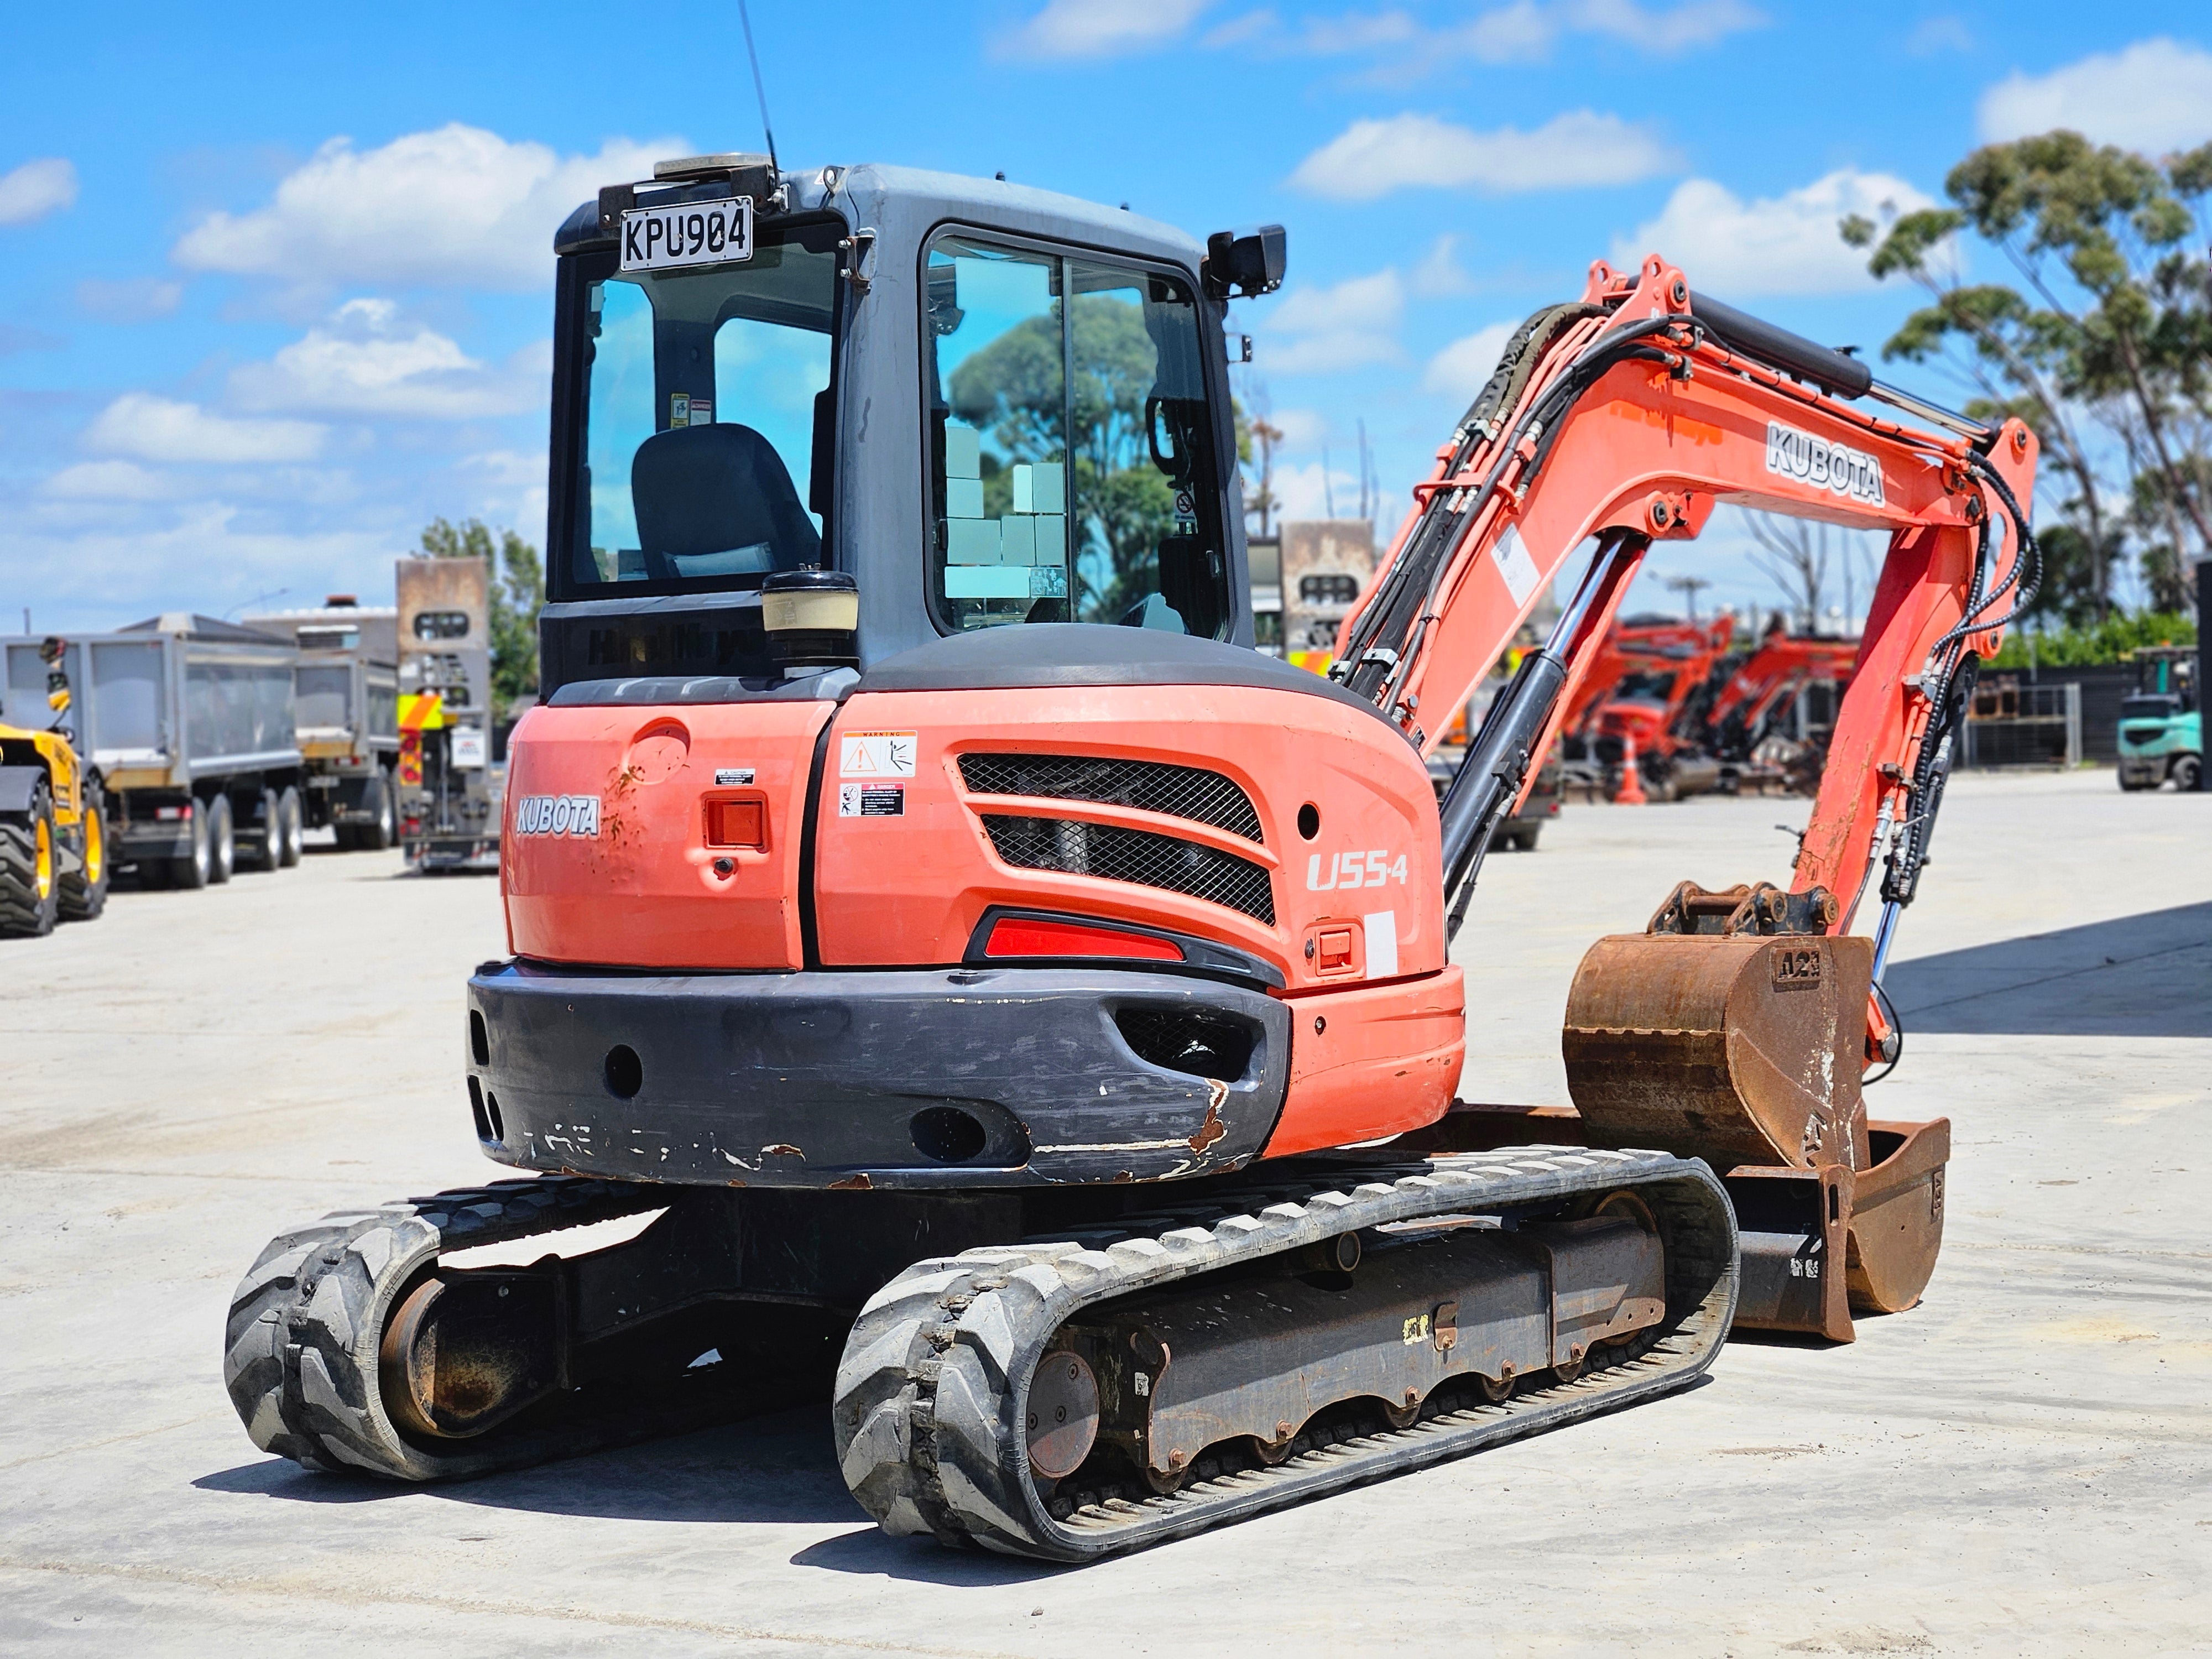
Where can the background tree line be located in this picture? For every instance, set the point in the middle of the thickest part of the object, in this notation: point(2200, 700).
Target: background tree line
point(2102, 343)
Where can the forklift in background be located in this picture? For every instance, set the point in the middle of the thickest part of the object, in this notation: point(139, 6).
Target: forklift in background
point(449, 790)
point(2161, 728)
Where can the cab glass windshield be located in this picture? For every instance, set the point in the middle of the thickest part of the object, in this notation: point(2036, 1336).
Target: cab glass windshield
point(698, 392)
point(1071, 471)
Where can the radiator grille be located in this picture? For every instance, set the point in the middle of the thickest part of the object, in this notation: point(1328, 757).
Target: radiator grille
point(1179, 791)
point(1114, 853)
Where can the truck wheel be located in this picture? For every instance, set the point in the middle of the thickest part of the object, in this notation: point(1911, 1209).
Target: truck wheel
point(264, 849)
point(84, 894)
point(30, 895)
point(2185, 773)
point(222, 841)
point(384, 828)
point(197, 868)
point(292, 830)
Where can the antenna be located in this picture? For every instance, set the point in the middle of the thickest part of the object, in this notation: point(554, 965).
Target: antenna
point(760, 93)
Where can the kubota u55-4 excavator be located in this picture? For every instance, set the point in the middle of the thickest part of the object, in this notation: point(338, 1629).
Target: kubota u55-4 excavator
point(1023, 1007)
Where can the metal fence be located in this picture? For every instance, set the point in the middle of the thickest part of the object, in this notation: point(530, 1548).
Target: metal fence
point(2015, 725)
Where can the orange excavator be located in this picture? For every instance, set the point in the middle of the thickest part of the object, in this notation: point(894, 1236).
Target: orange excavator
point(987, 991)
point(1744, 714)
point(1645, 715)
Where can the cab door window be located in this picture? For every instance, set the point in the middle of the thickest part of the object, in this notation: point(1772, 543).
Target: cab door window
point(1071, 473)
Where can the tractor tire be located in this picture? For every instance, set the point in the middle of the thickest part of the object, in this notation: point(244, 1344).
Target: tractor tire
point(30, 890)
point(384, 830)
point(290, 823)
point(222, 841)
point(2188, 774)
point(263, 851)
point(195, 869)
point(84, 892)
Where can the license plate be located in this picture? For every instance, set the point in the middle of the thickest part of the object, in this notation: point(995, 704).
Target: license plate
point(690, 234)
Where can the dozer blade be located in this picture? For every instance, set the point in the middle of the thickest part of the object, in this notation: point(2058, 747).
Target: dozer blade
point(1745, 1049)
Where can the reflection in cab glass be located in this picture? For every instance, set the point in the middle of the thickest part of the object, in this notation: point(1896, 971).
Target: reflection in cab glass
point(441, 625)
point(1059, 497)
point(703, 390)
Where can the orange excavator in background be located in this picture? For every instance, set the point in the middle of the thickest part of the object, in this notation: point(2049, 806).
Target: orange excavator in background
point(1741, 725)
point(1022, 1009)
point(1650, 711)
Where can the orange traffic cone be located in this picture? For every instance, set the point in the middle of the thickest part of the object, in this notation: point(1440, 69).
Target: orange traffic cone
point(1632, 786)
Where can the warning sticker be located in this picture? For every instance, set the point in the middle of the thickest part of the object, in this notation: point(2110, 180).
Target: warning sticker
point(876, 754)
point(871, 801)
point(726, 776)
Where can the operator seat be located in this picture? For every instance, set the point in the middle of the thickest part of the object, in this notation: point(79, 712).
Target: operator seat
point(717, 500)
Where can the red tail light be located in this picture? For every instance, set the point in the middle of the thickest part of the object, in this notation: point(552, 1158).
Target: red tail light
point(1033, 936)
point(737, 824)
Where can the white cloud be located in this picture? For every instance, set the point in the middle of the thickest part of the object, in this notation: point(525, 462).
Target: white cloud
point(1440, 276)
point(1521, 32)
point(133, 300)
point(36, 189)
point(2156, 96)
point(1370, 159)
point(1462, 368)
point(1321, 330)
point(1786, 244)
point(1692, 23)
point(1101, 28)
point(458, 206)
point(149, 429)
point(365, 360)
point(111, 481)
point(1935, 35)
point(1309, 490)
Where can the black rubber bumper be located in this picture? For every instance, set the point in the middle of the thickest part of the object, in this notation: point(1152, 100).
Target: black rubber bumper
point(932, 1078)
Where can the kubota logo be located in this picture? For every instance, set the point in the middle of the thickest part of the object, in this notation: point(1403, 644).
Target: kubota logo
point(557, 815)
point(1836, 468)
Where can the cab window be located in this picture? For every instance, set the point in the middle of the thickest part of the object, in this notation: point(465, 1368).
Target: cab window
point(701, 389)
point(1071, 468)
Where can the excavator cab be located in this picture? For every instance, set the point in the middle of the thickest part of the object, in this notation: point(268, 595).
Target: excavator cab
point(969, 403)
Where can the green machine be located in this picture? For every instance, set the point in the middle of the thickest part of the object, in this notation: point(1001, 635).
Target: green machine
point(2161, 729)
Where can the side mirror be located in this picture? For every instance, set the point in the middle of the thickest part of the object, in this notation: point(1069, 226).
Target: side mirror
point(1250, 263)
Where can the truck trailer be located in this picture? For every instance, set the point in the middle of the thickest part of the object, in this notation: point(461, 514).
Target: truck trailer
point(187, 721)
point(345, 710)
point(449, 796)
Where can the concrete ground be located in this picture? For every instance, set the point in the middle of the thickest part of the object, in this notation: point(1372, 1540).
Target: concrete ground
point(2021, 1465)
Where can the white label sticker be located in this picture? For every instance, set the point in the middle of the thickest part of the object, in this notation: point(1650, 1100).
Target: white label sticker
point(1838, 468)
point(726, 776)
point(1380, 927)
point(468, 747)
point(876, 754)
point(1516, 566)
point(557, 815)
point(871, 801)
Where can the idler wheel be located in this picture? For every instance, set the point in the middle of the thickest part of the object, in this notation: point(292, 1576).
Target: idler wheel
point(1063, 1416)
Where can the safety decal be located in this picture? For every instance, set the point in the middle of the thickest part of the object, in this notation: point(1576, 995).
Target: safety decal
point(871, 801)
point(876, 754)
point(557, 815)
point(725, 776)
point(1516, 566)
point(1836, 468)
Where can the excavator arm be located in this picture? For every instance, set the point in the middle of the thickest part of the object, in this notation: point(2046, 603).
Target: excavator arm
point(1621, 420)
point(1735, 1028)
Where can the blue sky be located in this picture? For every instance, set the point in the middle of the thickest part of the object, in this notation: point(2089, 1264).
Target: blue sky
point(275, 281)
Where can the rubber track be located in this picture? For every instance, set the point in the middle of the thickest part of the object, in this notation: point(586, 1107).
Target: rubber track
point(299, 1348)
point(933, 1387)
